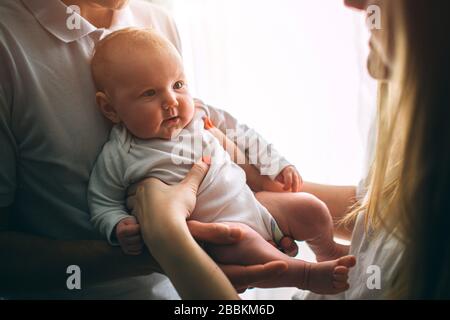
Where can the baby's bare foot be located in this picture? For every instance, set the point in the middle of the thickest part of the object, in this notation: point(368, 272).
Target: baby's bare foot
point(329, 277)
point(335, 251)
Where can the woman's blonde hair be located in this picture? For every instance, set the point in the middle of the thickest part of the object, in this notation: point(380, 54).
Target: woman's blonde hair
point(409, 181)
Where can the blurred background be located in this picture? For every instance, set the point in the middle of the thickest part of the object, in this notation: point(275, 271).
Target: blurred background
point(295, 71)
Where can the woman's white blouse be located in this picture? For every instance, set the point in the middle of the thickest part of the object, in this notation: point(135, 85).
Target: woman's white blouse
point(377, 260)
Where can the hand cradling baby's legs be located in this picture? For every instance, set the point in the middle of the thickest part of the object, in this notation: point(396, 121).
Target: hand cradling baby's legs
point(328, 277)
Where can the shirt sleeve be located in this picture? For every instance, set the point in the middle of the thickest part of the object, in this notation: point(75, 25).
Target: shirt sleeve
point(107, 191)
point(259, 152)
point(8, 146)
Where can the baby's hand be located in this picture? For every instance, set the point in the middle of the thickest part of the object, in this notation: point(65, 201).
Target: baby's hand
point(129, 236)
point(290, 178)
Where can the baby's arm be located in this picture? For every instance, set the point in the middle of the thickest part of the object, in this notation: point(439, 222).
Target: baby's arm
point(107, 193)
point(265, 168)
point(255, 180)
point(259, 152)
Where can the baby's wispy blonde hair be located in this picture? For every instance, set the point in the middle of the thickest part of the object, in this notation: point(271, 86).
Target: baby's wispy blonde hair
point(124, 39)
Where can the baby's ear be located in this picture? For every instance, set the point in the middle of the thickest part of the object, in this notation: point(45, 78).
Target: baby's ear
point(105, 107)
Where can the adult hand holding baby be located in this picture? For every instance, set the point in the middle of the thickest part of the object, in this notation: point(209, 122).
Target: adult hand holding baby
point(162, 211)
point(161, 198)
point(152, 200)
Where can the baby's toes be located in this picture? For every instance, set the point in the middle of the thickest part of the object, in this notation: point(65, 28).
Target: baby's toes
point(347, 261)
point(340, 281)
point(341, 286)
point(340, 277)
point(340, 270)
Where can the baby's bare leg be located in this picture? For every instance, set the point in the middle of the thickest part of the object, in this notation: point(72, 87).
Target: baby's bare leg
point(304, 217)
point(326, 277)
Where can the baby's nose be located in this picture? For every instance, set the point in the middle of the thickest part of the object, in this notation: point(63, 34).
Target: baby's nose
point(170, 101)
point(169, 106)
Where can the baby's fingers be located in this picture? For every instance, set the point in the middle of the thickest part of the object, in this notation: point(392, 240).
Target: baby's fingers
point(280, 178)
point(127, 231)
point(289, 246)
point(133, 240)
point(137, 247)
point(295, 184)
point(133, 250)
point(287, 181)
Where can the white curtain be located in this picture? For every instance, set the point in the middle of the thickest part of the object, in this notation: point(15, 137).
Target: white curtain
point(292, 69)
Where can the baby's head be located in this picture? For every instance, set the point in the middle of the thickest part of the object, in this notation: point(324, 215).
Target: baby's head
point(141, 83)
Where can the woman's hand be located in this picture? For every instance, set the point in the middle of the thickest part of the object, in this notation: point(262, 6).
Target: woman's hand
point(161, 211)
point(182, 199)
point(161, 198)
point(242, 277)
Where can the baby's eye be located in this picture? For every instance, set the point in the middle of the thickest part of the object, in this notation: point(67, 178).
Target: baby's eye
point(178, 85)
point(149, 93)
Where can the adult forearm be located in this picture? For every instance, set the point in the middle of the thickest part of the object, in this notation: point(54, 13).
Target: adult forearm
point(30, 263)
point(194, 274)
point(339, 200)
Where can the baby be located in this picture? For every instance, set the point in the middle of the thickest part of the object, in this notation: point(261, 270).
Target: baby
point(160, 131)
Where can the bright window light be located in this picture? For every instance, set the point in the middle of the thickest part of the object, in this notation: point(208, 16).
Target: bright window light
point(295, 71)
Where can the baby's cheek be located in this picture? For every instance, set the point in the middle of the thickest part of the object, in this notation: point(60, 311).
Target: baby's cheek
point(145, 126)
point(188, 109)
point(152, 119)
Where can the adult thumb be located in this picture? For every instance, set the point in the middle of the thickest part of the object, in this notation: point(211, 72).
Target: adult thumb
point(195, 177)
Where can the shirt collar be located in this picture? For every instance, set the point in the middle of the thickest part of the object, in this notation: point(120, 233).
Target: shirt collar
point(53, 16)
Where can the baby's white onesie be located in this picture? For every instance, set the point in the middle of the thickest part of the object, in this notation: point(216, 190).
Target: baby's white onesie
point(223, 195)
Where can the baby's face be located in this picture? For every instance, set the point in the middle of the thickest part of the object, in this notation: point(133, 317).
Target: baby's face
point(150, 94)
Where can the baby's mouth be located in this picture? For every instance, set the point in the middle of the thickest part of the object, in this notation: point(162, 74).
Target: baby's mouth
point(172, 121)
